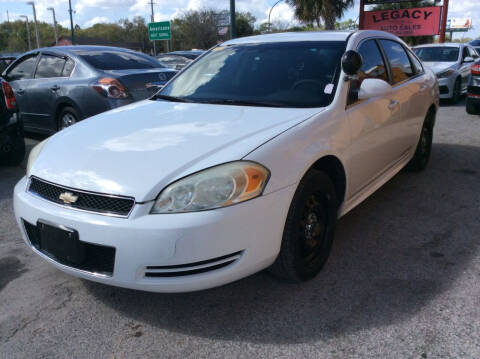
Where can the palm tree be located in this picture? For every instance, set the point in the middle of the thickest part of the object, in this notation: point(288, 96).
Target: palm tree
point(315, 10)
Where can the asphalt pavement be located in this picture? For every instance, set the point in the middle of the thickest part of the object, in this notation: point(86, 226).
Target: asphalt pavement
point(403, 281)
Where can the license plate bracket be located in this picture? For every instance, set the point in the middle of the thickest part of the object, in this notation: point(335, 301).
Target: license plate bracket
point(61, 243)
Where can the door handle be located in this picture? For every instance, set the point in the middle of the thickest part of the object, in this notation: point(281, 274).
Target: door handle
point(55, 88)
point(392, 104)
point(20, 91)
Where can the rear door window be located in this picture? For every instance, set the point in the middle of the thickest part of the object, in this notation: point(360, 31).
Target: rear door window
point(68, 68)
point(399, 62)
point(473, 53)
point(117, 60)
point(22, 70)
point(49, 66)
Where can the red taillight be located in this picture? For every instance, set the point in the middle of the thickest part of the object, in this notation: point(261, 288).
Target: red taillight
point(10, 100)
point(109, 87)
point(475, 69)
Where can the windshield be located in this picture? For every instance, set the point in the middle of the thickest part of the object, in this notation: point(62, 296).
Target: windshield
point(437, 54)
point(293, 74)
point(117, 60)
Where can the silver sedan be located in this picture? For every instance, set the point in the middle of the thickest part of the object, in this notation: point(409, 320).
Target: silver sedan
point(451, 63)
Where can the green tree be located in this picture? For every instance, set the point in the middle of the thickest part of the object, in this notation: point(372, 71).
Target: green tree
point(314, 11)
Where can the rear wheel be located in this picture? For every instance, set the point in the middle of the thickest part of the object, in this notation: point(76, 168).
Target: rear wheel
point(472, 107)
point(309, 229)
point(67, 117)
point(12, 154)
point(424, 146)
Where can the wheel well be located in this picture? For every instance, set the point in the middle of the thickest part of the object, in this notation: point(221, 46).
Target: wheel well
point(332, 166)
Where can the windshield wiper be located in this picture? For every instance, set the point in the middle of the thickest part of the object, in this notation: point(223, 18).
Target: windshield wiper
point(243, 103)
point(168, 98)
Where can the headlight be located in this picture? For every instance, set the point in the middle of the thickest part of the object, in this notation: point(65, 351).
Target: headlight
point(34, 154)
point(215, 187)
point(444, 74)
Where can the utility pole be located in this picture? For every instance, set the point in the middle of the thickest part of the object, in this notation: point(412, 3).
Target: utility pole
point(443, 27)
point(233, 32)
point(54, 25)
point(71, 20)
point(36, 23)
point(28, 32)
point(8, 18)
point(362, 15)
point(153, 20)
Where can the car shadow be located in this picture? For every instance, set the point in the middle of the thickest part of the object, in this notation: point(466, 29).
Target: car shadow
point(393, 254)
point(447, 103)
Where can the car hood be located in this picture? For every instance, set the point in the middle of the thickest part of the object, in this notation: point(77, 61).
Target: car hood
point(438, 67)
point(137, 150)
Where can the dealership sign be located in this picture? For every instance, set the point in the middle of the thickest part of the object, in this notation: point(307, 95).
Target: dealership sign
point(405, 22)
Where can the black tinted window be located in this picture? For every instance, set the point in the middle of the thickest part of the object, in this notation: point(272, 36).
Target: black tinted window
point(22, 70)
point(68, 68)
point(49, 66)
point(398, 59)
point(117, 60)
point(293, 74)
point(373, 65)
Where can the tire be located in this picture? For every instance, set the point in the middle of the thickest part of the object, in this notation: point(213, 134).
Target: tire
point(309, 229)
point(424, 147)
point(67, 117)
point(13, 154)
point(472, 108)
point(457, 91)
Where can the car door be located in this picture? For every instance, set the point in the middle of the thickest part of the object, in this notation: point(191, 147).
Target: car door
point(370, 150)
point(44, 89)
point(20, 77)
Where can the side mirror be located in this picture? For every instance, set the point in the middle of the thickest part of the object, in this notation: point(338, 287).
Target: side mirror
point(468, 59)
point(373, 88)
point(351, 62)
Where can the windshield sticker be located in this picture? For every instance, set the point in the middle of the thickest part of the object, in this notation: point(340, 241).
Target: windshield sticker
point(328, 89)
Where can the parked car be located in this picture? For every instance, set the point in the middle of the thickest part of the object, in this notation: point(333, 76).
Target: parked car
point(218, 177)
point(59, 86)
point(173, 61)
point(451, 63)
point(6, 59)
point(12, 142)
point(191, 54)
point(475, 44)
point(473, 93)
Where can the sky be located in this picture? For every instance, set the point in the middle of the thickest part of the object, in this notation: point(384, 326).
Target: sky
point(89, 12)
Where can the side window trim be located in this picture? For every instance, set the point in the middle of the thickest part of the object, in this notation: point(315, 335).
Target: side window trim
point(412, 56)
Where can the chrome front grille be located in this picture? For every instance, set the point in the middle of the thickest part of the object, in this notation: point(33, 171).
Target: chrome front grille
point(87, 201)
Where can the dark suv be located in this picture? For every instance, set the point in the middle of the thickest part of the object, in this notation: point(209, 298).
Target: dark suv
point(12, 143)
point(58, 86)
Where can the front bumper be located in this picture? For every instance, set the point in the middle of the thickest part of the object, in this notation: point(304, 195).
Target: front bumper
point(446, 86)
point(251, 230)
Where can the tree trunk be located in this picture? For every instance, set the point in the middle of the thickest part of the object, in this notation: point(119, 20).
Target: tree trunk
point(329, 15)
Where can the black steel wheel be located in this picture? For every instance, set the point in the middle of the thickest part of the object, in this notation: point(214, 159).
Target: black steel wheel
point(309, 229)
point(424, 146)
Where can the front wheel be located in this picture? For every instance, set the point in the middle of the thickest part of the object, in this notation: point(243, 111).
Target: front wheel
point(424, 147)
point(309, 229)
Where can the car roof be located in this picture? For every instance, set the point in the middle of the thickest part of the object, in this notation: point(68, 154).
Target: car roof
point(71, 49)
point(445, 44)
point(311, 36)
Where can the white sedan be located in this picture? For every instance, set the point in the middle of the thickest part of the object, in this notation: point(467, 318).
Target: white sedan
point(242, 162)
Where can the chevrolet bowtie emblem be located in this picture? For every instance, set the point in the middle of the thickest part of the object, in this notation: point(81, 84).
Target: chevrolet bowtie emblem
point(68, 197)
